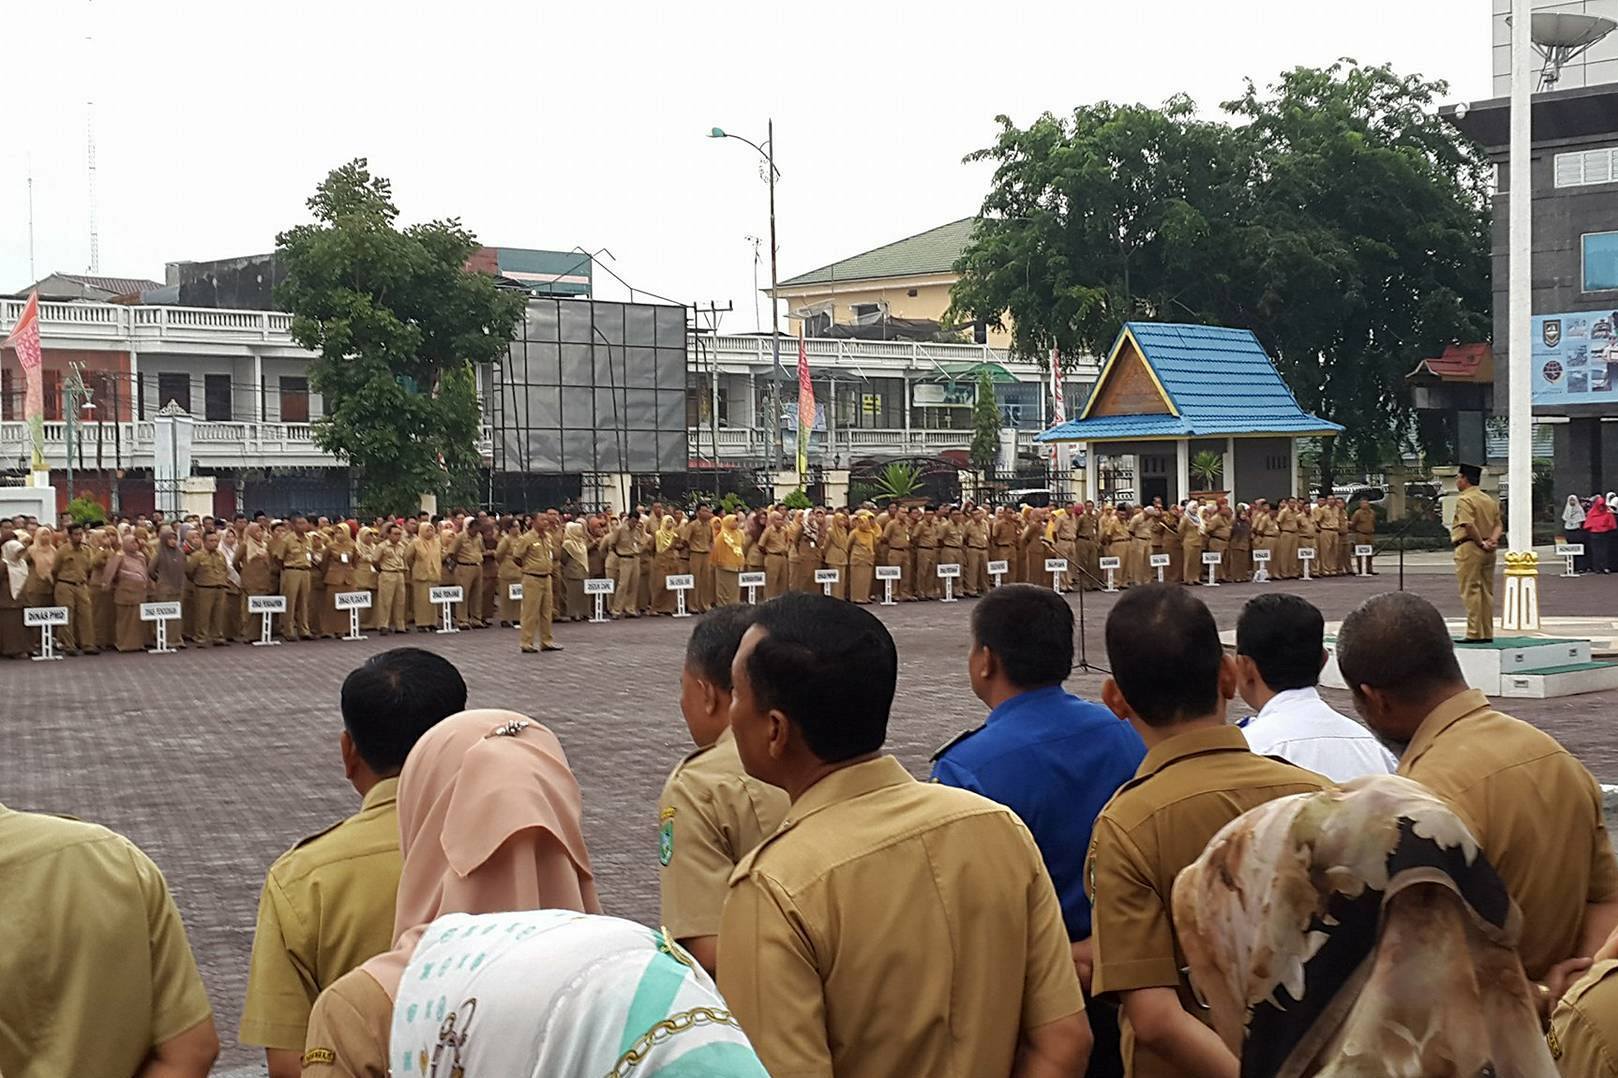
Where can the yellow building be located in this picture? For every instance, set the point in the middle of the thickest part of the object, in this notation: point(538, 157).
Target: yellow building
point(904, 281)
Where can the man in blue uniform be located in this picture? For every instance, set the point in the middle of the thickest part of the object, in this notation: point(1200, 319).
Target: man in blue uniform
point(1052, 758)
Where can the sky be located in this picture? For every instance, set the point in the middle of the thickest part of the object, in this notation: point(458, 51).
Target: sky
point(556, 125)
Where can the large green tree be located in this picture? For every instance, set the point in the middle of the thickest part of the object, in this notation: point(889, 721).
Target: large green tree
point(1334, 215)
point(400, 326)
point(986, 422)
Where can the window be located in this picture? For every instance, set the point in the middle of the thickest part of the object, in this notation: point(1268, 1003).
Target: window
point(10, 394)
point(174, 387)
point(1600, 261)
point(866, 314)
point(216, 397)
point(294, 399)
point(1585, 167)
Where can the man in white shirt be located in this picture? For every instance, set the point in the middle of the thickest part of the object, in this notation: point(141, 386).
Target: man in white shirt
point(1280, 648)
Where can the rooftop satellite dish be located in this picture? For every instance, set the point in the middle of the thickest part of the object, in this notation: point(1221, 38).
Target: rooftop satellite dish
point(1561, 38)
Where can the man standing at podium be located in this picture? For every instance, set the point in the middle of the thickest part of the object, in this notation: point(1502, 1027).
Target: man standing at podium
point(1475, 532)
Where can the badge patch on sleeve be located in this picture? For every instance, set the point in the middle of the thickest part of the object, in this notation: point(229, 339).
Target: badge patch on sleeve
point(317, 1056)
point(665, 837)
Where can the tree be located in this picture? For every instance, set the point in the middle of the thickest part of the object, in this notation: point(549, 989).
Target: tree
point(985, 426)
point(1341, 221)
point(1207, 467)
point(400, 326)
point(898, 481)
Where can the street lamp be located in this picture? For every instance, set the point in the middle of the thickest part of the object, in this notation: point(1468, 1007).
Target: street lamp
point(73, 389)
point(767, 151)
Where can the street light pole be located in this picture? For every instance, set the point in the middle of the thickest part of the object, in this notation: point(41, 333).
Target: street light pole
point(1519, 321)
point(775, 314)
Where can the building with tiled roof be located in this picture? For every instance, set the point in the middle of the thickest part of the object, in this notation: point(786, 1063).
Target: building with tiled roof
point(1169, 392)
point(93, 287)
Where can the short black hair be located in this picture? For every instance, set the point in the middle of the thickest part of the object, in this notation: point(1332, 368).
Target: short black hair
point(297, 516)
point(75, 526)
point(714, 641)
point(1284, 635)
point(1164, 650)
point(1030, 631)
point(829, 666)
point(1398, 642)
point(393, 698)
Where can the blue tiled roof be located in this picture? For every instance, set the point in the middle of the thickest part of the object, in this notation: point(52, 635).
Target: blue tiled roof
point(1220, 380)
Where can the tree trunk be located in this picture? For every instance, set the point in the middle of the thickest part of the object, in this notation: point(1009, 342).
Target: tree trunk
point(1328, 465)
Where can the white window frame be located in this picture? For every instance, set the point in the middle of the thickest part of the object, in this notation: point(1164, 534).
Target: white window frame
point(1579, 162)
point(1584, 277)
point(879, 312)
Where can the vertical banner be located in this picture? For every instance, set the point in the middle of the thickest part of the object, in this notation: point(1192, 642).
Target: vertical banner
point(1059, 450)
point(24, 338)
point(806, 410)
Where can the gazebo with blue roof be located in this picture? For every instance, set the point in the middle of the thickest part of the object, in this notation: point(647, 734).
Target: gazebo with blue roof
point(1169, 391)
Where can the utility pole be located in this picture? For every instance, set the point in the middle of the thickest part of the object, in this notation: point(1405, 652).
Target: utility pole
point(73, 391)
point(775, 310)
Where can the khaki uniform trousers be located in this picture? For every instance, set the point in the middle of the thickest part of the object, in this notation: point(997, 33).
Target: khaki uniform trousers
point(701, 598)
point(390, 600)
point(926, 585)
point(538, 609)
point(859, 581)
point(507, 609)
point(1474, 572)
point(426, 611)
point(295, 589)
point(209, 620)
point(468, 611)
point(626, 585)
point(974, 575)
point(79, 632)
point(904, 587)
point(726, 589)
point(775, 575)
point(839, 590)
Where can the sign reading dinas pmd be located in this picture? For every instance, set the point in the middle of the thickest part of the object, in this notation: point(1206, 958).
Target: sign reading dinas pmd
point(45, 619)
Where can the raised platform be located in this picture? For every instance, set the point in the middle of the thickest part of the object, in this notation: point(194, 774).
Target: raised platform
point(1531, 666)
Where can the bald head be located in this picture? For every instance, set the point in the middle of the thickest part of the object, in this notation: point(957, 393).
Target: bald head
point(1395, 653)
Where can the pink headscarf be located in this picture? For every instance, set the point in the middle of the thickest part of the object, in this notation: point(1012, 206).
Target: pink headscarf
point(490, 820)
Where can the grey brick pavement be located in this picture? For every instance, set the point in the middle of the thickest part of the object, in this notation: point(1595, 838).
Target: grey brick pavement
point(216, 761)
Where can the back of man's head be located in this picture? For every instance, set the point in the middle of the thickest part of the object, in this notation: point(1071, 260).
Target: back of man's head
point(394, 698)
point(713, 643)
point(1398, 642)
point(1164, 651)
point(1029, 630)
point(1285, 637)
point(830, 667)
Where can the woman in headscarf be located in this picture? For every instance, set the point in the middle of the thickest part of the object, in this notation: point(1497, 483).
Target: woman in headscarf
point(595, 529)
point(1573, 529)
point(231, 615)
point(253, 563)
point(1192, 540)
point(167, 574)
point(41, 558)
point(490, 821)
point(365, 574)
point(728, 557)
point(507, 573)
point(557, 994)
point(426, 560)
point(1358, 931)
point(834, 549)
point(862, 541)
point(14, 642)
point(1599, 525)
point(575, 569)
point(128, 573)
point(103, 544)
point(1241, 545)
point(754, 532)
point(665, 563)
point(337, 573)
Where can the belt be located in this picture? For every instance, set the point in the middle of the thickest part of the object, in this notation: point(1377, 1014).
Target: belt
point(390, 570)
point(208, 587)
point(542, 576)
point(469, 564)
point(294, 568)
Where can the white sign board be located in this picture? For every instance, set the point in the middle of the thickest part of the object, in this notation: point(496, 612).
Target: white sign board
point(159, 611)
point(679, 582)
point(1160, 561)
point(999, 568)
point(35, 616)
point(444, 595)
point(1563, 550)
point(750, 580)
point(1212, 557)
point(827, 576)
point(952, 570)
point(599, 586)
point(1306, 553)
point(514, 592)
point(1363, 550)
point(351, 600)
point(1056, 565)
point(1111, 563)
point(1261, 556)
point(266, 604)
point(888, 572)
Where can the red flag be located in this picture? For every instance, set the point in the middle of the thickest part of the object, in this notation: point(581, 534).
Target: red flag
point(806, 406)
point(24, 337)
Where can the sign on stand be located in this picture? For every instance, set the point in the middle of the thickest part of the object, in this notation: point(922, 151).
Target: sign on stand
point(445, 599)
point(514, 592)
point(45, 619)
point(1261, 565)
point(949, 574)
point(1306, 555)
point(266, 607)
point(752, 582)
point(1056, 567)
point(1362, 556)
point(827, 579)
point(679, 584)
point(1111, 566)
point(600, 587)
point(1212, 559)
point(887, 574)
point(998, 570)
point(1160, 562)
point(1569, 551)
point(162, 613)
point(353, 602)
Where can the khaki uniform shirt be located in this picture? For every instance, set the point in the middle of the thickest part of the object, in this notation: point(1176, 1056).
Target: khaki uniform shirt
point(697, 535)
point(1533, 807)
point(1584, 1027)
point(626, 540)
point(72, 566)
point(976, 534)
point(292, 551)
point(1005, 533)
point(897, 535)
point(92, 952)
point(950, 535)
point(711, 815)
point(468, 549)
point(925, 534)
point(327, 906)
point(207, 570)
point(390, 557)
point(894, 927)
point(1186, 789)
point(1477, 509)
point(533, 554)
point(1363, 522)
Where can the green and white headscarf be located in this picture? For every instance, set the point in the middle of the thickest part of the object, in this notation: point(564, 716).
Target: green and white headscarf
point(560, 994)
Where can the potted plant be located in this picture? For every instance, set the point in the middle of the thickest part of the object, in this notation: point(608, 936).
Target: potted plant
point(1207, 469)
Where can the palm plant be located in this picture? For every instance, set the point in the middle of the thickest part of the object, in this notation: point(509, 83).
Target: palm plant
point(898, 481)
point(1207, 468)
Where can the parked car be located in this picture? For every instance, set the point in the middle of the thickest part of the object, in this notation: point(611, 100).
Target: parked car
point(1038, 497)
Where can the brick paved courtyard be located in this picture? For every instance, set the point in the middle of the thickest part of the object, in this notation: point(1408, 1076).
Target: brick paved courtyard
point(215, 762)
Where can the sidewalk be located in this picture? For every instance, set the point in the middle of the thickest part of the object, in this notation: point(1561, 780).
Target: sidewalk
point(1443, 561)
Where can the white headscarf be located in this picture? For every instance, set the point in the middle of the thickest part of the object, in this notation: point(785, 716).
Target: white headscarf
point(16, 568)
point(1573, 513)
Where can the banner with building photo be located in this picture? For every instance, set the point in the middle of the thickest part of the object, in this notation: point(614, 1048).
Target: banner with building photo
point(1575, 358)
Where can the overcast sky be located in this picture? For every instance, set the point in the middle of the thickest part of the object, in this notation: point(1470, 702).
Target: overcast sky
point(546, 124)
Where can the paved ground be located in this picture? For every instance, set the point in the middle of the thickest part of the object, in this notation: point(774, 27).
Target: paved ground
point(215, 762)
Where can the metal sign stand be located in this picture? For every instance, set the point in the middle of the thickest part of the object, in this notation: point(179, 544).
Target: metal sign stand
point(264, 637)
point(162, 639)
point(353, 624)
point(47, 645)
point(998, 570)
point(752, 581)
point(948, 573)
point(449, 618)
point(827, 579)
point(1569, 552)
point(1212, 559)
point(887, 591)
point(600, 608)
point(1261, 566)
point(1056, 567)
point(1110, 566)
point(1306, 556)
point(1160, 562)
point(598, 588)
point(1362, 559)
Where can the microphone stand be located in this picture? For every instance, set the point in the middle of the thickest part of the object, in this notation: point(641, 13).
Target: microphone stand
point(1084, 663)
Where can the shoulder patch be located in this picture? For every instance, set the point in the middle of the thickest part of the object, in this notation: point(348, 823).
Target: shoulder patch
point(956, 740)
point(302, 842)
point(316, 1057)
point(665, 837)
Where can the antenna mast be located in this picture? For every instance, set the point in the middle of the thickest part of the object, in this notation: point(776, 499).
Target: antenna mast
point(32, 276)
point(90, 137)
